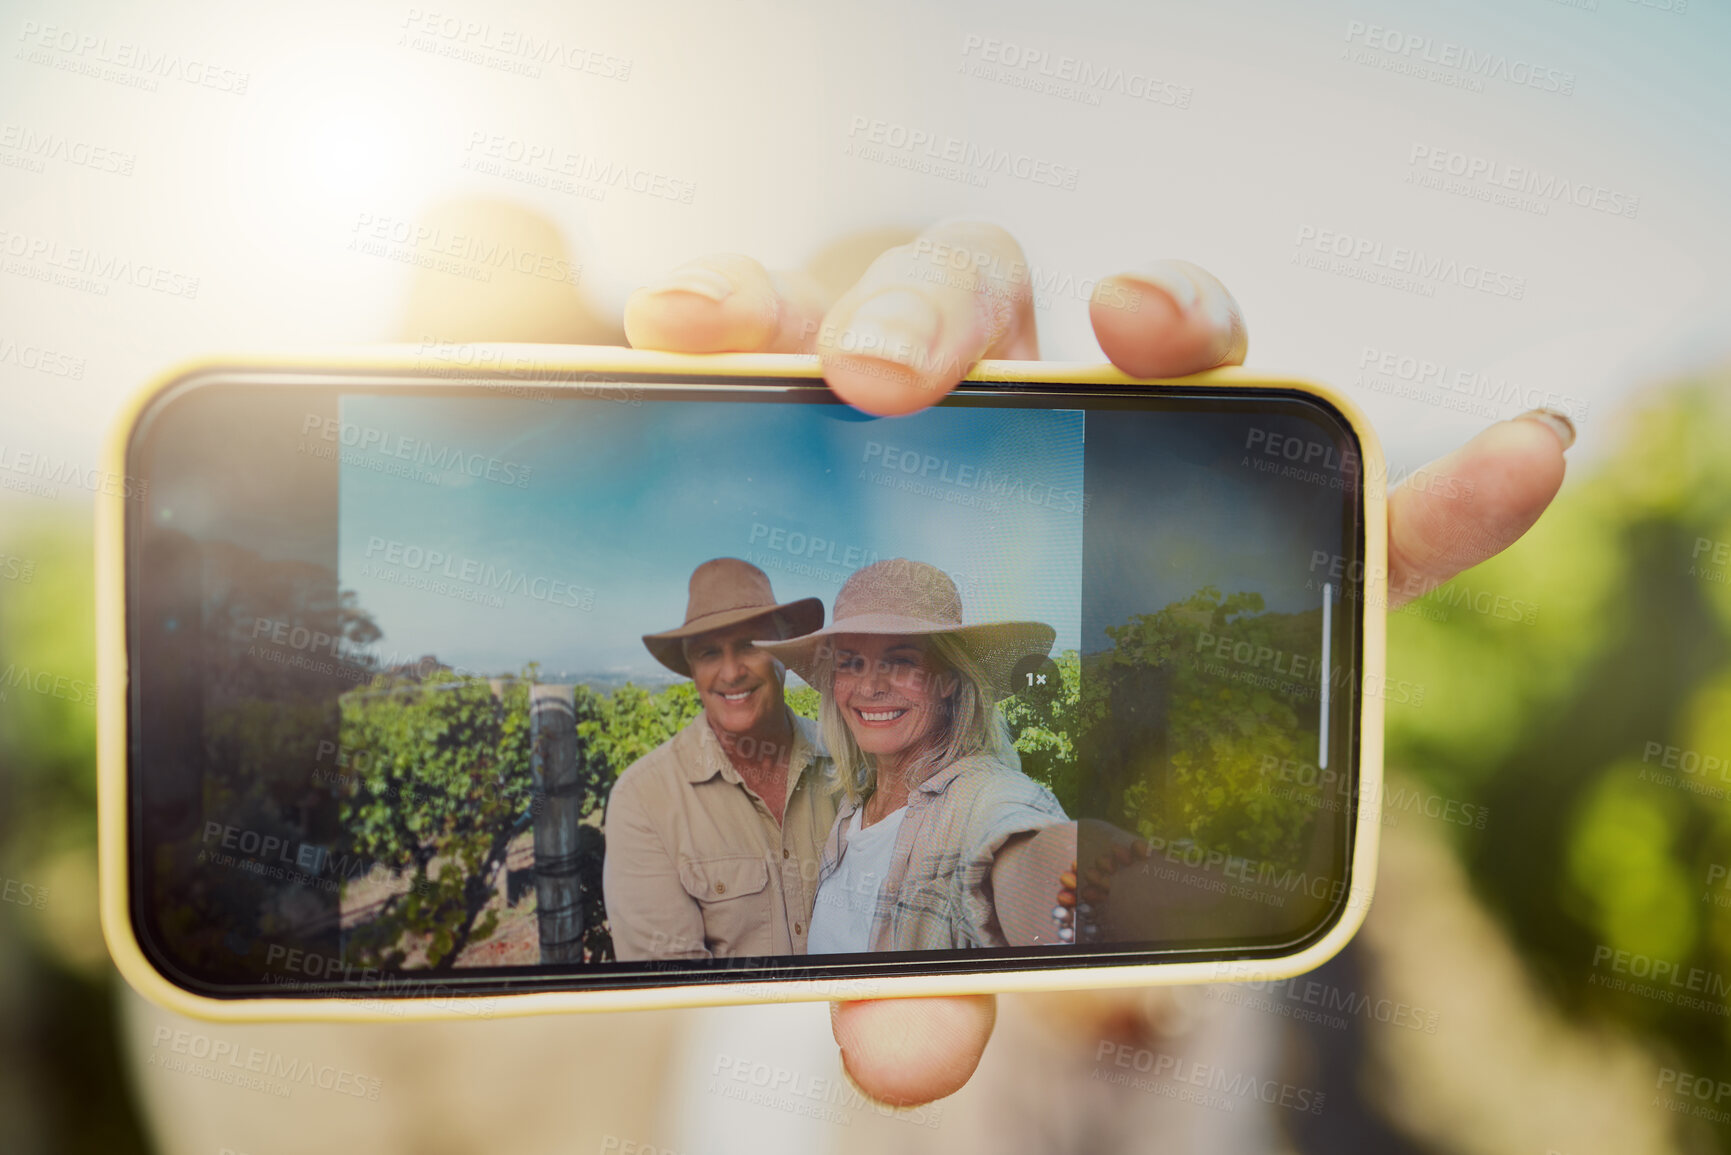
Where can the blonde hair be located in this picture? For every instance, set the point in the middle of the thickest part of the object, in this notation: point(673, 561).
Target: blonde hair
point(968, 719)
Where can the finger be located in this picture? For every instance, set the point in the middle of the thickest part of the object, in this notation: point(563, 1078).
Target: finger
point(1167, 319)
point(513, 306)
point(726, 304)
point(1473, 503)
point(923, 313)
point(910, 1051)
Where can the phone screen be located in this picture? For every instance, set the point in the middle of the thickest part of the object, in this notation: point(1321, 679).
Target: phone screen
point(501, 687)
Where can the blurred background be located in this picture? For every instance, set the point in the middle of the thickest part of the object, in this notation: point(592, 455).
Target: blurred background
point(1457, 214)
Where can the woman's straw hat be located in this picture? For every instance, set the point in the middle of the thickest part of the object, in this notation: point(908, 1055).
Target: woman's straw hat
point(905, 598)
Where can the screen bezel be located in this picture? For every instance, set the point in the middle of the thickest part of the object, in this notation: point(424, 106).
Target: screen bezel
point(755, 389)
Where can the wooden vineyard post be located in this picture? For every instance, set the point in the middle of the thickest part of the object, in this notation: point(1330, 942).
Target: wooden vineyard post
point(558, 803)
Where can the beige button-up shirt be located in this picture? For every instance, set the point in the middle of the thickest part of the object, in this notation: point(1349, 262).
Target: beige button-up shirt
point(697, 866)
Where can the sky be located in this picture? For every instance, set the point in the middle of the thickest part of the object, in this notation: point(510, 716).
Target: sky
point(569, 530)
point(604, 507)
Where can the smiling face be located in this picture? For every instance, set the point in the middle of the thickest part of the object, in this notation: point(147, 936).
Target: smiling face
point(740, 685)
point(893, 696)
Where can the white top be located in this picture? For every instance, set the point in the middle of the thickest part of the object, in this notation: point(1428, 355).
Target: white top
point(841, 920)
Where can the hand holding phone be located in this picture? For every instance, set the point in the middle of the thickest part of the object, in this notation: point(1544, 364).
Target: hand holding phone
point(916, 364)
point(1166, 319)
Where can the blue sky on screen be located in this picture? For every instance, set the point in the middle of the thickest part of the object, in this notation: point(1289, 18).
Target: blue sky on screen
point(610, 505)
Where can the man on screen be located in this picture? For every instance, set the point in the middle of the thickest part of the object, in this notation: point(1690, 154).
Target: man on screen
point(714, 837)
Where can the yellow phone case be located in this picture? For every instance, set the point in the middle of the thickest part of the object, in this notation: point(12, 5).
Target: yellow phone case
point(541, 365)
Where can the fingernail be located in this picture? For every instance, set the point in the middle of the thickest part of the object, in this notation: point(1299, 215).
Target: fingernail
point(1554, 421)
point(699, 279)
point(896, 325)
point(1172, 281)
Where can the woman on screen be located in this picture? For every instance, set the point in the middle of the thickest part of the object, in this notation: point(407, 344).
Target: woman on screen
point(931, 846)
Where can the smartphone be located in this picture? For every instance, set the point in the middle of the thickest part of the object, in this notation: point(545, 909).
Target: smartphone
point(460, 679)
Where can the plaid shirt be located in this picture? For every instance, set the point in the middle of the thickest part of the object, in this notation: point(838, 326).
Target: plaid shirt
point(937, 894)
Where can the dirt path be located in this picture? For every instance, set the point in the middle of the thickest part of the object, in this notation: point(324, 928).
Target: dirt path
point(515, 941)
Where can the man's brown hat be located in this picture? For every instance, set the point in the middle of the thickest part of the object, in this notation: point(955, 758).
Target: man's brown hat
point(724, 592)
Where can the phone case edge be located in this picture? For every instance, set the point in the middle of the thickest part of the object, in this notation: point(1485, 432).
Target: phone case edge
point(113, 695)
